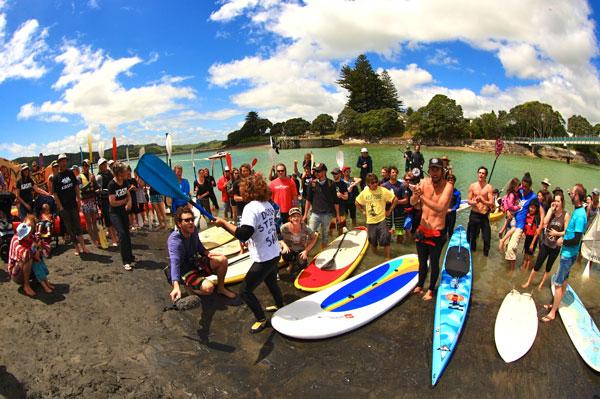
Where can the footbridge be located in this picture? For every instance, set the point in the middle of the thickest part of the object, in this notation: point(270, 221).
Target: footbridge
point(565, 141)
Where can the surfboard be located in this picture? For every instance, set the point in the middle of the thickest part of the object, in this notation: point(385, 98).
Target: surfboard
point(452, 302)
point(464, 204)
point(214, 237)
point(218, 155)
point(231, 248)
point(351, 252)
point(237, 268)
point(581, 327)
point(494, 216)
point(348, 305)
point(516, 326)
point(590, 243)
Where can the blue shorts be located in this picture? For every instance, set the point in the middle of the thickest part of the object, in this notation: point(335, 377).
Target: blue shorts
point(564, 268)
point(40, 270)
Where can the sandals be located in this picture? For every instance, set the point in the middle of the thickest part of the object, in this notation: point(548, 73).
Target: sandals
point(272, 308)
point(258, 326)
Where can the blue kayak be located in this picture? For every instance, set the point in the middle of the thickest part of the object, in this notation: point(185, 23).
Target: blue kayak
point(452, 302)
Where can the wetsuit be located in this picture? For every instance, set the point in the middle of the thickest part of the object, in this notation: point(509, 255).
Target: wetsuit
point(430, 243)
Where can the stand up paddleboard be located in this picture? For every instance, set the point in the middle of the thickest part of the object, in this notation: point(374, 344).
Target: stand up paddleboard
point(580, 326)
point(237, 268)
point(350, 304)
point(214, 237)
point(516, 326)
point(352, 249)
point(231, 248)
point(464, 204)
point(452, 302)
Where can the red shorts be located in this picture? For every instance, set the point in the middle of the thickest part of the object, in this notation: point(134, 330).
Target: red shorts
point(200, 270)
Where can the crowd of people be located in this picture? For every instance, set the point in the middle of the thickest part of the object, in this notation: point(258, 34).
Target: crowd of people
point(285, 214)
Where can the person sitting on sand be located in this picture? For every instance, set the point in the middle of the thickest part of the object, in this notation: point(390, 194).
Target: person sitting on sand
point(191, 263)
point(44, 226)
point(433, 194)
point(257, 227)
point(298, 240)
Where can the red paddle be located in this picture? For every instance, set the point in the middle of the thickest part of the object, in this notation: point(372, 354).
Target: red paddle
point(228, 160)
point(114, 148)
point(254, 161)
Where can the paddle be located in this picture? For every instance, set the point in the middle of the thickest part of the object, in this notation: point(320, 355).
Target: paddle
point(499, 148)
point(169, 147)
point(90, 151)
point(81, 155)
point(101, 149)
point(127, 153)
point(339, 159)
point(228, 160)
point(330, 262)
point(114, 148)
point(161, 177)
point(194, 164)
point(586, 272)
point(141, 152)
point(254, 162)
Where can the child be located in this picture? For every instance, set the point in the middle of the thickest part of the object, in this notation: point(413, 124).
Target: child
point(531, 231)
point(38, 249)
point(44, 226)
point(510, 205)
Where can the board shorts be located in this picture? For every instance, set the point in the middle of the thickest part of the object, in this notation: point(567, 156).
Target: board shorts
point(40, 270)
point(200, 270)
point(564, 268)
point(379, 234)
point(88, 206)
point(70, 218)
point(156, 199)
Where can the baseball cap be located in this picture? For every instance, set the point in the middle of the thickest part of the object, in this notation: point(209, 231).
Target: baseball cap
point(226, 168)
point(74, 167)
point(294, 211)
point(335, 171)
point(62, 156)
point(546, 181)
point(345, 168)
point(101, 161)
point(364, 149)
point(596, 191)
point(435, 163)
point(320, 167)
point(557, 190)
point(24, 166)
point(86, 162)
point(110, 162)
point(23, 230)
point(53, 164)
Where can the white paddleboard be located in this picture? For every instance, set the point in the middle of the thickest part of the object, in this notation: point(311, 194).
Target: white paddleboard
point(231, 248)
point(516, 326)
point(236, 270)
point(214, 237)
point(350, 304)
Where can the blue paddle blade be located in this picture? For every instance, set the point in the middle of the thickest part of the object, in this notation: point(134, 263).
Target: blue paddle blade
point(160, 177)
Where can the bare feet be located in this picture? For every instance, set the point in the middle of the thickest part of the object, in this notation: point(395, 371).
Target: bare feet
point(541, 286)
point(417, 290)
point(428, 296)
point(548, 318)
point(50, 284)
point(28, 291)
point(47, 289)
point(525, 285)
point(228, 293)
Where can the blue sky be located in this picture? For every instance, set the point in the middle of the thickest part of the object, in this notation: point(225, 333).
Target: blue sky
point(136, 69)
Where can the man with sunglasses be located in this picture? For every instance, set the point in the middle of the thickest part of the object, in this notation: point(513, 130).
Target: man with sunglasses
point(191, 263)
point(283, 192)
point(323, 200)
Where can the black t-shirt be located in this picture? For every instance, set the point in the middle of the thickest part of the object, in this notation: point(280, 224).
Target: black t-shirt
point(89, 190)
point(64, 184)
point(203, 188)
point(120, 191)
point(134, 183)
point(105, 178)
point(26, 189)
point(323, 196)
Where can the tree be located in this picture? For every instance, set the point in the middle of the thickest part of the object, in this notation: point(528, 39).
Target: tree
point(347, 122)
point(323, 124)
point(440, 119)
point(535, 119)
point(363, 84)
point(277, 129)
point(579, 126)
point(409, 111)
point(390, 94)
point(296, 126)
point(596, 129)
point(379, 123)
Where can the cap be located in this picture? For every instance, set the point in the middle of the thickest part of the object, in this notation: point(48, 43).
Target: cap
point(24, 166)
point(62, 156)
point(364, 149)
point(546, 181)
point(557, 190)
point(23, 230)
point(110, 162)
point(101, 161)
point(85, 162)
point(53, 163)
point(320, 167)
point(335, 171)
point(345, 168)
point(435, 163)
point(74, 167)
point(294, 211)
point(226, 168)
point(596, 191)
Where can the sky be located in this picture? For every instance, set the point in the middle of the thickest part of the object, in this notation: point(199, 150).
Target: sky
point(137, 69)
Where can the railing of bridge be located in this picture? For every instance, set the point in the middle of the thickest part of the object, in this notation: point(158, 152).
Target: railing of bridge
point(553, 140)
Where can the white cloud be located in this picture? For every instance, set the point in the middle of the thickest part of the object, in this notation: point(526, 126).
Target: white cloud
point(94, 4)
point(18, 149)
point(489, 89)
point(153, 58)
point(91, 90)
point(442, 57)
point(19, 56)
point(548, 41)
point(219, 115)
point(406, 79)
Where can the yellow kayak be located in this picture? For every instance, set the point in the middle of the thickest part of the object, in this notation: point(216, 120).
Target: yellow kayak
point(494, 216)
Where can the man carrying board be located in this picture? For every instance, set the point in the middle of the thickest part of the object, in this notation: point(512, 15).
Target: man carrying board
point(433, 194)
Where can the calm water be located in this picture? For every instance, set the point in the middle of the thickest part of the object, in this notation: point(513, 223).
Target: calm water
point(491, 277)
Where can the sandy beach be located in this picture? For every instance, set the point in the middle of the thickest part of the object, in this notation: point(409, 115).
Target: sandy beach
point(104, 334)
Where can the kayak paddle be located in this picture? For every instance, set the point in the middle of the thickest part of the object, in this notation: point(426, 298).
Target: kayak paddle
point(114, 148)
point(339, 159)
point(159, 176)
point(228, 160)
point(253, 164)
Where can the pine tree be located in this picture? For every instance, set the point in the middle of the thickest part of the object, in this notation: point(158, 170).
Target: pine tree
point(363, 84)
point(390, 94)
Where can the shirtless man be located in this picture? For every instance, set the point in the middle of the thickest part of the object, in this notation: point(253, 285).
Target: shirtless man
point(481, 199)
point(433, 194)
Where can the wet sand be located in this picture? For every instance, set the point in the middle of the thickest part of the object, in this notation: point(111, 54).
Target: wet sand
point(104, 334)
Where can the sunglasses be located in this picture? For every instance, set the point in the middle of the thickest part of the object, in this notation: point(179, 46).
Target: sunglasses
point(186, 220)
point(281, 171)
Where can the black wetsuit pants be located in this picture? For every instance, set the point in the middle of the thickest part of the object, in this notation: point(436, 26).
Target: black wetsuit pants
point(427, 252)
point(479, 221)
point(259, 272)
point(450, 223)
point(120, 220)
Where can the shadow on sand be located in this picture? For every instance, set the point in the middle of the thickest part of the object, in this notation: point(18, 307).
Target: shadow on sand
point(10, 387)
point(210, 305)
